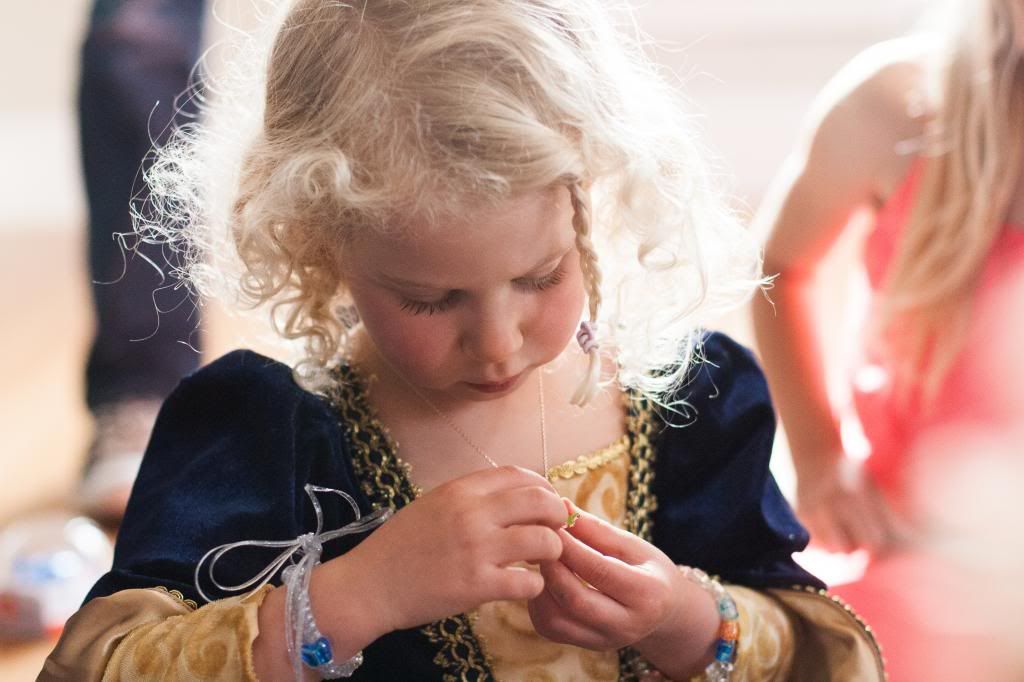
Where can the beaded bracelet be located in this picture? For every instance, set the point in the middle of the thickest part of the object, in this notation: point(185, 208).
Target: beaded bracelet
point(720, 669)
point(728, 631)
point(303, 637)
point(307, 646)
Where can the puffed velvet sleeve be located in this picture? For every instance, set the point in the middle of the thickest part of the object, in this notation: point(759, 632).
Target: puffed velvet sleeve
point(230, 453)
point(719, 507)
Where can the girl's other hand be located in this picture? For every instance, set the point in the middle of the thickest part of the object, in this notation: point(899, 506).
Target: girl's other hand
point(844, 510)
point(450, 550)
point(611, 589)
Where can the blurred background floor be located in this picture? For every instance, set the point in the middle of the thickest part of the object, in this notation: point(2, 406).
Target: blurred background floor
point(42, 416)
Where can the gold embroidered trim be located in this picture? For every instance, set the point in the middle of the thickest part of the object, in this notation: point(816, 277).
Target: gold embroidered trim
point(461, 655)
point(840, 603)
point(383, 477)
point(640, 500)
point(179, 596)
point(585, 463)
point(641, 503)
point(385, 480)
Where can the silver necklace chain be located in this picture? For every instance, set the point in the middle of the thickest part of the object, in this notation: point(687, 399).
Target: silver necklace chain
point(469, 441)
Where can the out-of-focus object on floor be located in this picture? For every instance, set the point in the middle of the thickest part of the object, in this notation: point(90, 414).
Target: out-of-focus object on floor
point(48, 563)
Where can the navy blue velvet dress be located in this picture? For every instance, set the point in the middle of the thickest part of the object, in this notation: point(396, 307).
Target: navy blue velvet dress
point(237, 441)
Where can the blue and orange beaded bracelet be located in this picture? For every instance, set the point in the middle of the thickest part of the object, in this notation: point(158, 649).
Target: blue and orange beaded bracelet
point(728, 631)
point(720, 669)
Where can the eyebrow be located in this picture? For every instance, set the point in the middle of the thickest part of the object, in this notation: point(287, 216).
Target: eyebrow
point(398, 281)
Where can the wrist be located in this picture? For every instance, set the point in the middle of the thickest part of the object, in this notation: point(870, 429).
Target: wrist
point(348, 604)
point(684, 644)
point(812, 464)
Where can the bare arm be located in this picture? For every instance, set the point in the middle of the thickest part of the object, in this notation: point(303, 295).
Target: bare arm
point(343, 609)
point(846, 162)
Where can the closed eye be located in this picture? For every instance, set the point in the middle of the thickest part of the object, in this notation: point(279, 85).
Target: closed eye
point(415, 307)
point(430, 307)
point(546, 282)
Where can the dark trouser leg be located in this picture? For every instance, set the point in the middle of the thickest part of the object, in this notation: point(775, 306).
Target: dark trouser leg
point(136, 61)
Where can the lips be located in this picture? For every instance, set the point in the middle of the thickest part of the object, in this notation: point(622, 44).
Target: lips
point(495, 386)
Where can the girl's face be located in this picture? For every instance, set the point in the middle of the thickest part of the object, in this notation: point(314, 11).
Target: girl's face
point(1016, 8)
point(466, 310)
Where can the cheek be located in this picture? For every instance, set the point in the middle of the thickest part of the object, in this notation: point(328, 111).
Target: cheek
point(1018, 27)
point(414, 345)
point(560, 315)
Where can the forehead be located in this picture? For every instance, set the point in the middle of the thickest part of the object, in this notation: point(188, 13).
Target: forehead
point(480, 244)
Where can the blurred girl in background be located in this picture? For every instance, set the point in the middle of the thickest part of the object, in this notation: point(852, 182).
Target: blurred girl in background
point(924, 135)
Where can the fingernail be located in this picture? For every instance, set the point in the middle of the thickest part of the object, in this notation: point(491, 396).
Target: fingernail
point(572, 514)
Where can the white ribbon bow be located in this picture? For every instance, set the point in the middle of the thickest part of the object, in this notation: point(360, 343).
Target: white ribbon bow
point(308, 546)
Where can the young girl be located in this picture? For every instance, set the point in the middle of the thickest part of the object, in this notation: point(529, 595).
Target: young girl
point(925, 135)
point(437, 193)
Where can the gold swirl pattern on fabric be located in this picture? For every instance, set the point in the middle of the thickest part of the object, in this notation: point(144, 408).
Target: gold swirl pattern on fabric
point(498, 640)
point(514, 650)
point(211, 643)
point(768, 639)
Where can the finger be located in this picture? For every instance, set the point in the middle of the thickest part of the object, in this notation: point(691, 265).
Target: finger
point(527, 543)
point(858, 522)
point(898, 531)
point(849, 528)
point(824, 531)
point(515, 583)
point(608, 574)
point(526, 505)
point(578, 600)
point(604, 537)
point(551, 623)
point(491, 480)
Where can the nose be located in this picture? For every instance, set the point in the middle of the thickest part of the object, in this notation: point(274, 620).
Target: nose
point(493, 337)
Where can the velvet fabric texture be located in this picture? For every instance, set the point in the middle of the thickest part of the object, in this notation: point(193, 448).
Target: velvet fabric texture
point(237, 441)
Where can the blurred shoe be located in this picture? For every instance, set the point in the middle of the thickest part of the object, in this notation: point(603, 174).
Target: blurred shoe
point(48, 563)
point(122, 433)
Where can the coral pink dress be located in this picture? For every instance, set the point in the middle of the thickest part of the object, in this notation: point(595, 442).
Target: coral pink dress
point(946, 468)
point(983, 392)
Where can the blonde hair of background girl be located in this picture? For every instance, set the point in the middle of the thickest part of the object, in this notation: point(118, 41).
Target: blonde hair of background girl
point(372, 112)
point(974, 149)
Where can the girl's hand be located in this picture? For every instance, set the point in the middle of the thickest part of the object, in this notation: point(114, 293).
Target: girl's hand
point(450, 550)
point(611, 589)
point(844, 510)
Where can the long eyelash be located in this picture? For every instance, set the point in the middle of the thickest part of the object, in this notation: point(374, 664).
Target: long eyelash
point(432, 308)
point(554, 279)
point(425, 308)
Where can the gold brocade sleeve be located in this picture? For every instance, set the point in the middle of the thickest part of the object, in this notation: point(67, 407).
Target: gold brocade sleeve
point(136, 635)
point(767, 637)
point(832, 642)
point(802, 635)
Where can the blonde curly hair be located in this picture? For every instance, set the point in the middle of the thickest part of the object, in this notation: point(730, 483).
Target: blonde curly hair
point(973, 149)
point(377, 111)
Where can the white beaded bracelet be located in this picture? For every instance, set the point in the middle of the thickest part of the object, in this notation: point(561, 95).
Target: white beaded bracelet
point(306, 644)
